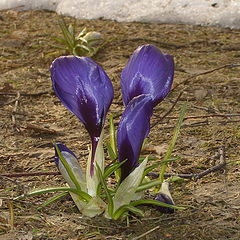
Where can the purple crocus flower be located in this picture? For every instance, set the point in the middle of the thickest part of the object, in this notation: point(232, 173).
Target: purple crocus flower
point(161, 197)
point(164, 196)
point(85, 89)
point(148, 71)
point(133, 128)
point(62, 148)
point(74, 165)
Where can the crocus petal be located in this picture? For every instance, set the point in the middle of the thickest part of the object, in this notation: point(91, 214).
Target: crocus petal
point(84, 88)
point(165, 196)
point(148, 71)
point(126, 192)
point(133, 129)
point(62, 148)
point(74, 165)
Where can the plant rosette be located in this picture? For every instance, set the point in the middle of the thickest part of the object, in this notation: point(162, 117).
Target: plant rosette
point(85, 89)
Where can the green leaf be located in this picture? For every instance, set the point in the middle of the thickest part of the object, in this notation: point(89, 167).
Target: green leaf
point(149, 158)
point(68, 168)
point(94, 207)
point(112, 135)
point(80, 193)
point(175, 179)
point(148, 185)
point(126, 191)
point(82, 33)
point(81, 46)
point(60, 40)
point(67, 35)
point(53, 199)
point(71, 30)
point(111, 153)
point(173, 142)
point(124, 211)
point(82, 40)
point(155, 165)
point(108, 194)
point(155, 202)
point(112, 168)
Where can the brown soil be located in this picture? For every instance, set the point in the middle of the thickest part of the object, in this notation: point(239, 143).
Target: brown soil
point(30, 123)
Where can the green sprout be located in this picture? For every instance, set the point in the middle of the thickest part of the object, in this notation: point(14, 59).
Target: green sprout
point(82, 44)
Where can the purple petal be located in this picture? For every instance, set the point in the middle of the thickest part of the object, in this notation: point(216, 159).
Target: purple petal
point(133, 128)
point(148, 71)
point(84, 88)
point(74, 165)
point(162, 197)
point(62, 148)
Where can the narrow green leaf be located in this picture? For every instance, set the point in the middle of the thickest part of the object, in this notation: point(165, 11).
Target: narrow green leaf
point(124, 211)
point(175, 179)
point(149, 158)
point(173, 142)
point(93, 40)
point(155, 165)
point(60, 40)
point(148, 185)
point(108, 194)
point(150, 168)
point(80, 193)
point(71, 30)
point(53, 199)
point(81, 50)
point(112, 168)
point(155, 202)
point(126, 191)
point(68, 168)
point(81, 39)
point(112, 135)
point(67, 35)
point(111, 153)
point(82, 33)
point(60, 47)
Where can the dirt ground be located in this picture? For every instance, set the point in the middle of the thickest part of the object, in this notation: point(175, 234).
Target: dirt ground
point(207, 75)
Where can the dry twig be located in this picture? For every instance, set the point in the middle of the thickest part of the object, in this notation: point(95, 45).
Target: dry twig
point(146, 233)
point(11, 213)
point(15, 108)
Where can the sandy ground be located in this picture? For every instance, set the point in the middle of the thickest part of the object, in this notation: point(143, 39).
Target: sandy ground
point(207, 75)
